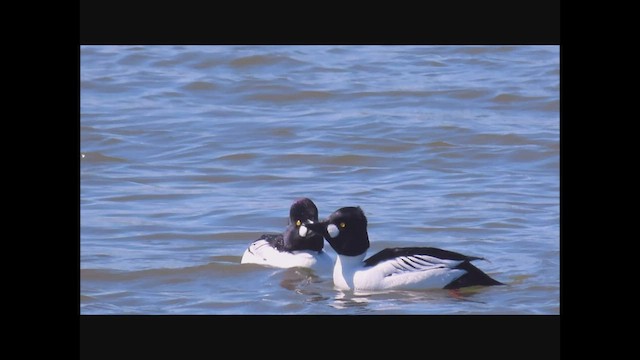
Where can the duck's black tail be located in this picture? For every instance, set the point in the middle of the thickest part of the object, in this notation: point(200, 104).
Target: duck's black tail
point(473, 277)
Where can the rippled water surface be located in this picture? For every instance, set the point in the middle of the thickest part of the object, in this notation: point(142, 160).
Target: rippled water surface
point(188, 153)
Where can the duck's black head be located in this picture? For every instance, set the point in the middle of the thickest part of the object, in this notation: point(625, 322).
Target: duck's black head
point(297, 236)
point(345, 230)
point(302, 210)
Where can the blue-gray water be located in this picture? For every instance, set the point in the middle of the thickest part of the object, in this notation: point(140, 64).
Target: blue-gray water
point(188, 153)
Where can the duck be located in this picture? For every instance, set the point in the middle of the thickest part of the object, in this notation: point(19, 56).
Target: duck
point(399, 268)
point(297, 246)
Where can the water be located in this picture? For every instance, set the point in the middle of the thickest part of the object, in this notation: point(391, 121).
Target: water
point(188, 153)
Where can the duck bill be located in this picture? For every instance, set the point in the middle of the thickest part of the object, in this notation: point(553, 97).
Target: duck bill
point(305, 232)
point(318, 227)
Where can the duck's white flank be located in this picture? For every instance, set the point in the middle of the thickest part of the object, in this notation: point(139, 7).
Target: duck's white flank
point(403, 273)
point(262, 253)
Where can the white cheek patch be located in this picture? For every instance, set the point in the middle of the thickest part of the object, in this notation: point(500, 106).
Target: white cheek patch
point(302, 231)
point(333, 230)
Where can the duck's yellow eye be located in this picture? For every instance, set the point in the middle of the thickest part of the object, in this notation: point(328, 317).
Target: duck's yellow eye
point(298, 223)
point(343, 225)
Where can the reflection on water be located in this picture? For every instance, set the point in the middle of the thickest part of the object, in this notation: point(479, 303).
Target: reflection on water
point(296, 279)
point(305, 282)
point(349, 299)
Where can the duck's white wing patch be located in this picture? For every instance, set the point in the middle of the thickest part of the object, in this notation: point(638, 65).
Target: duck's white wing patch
point(414, 263)
point(409, 272)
